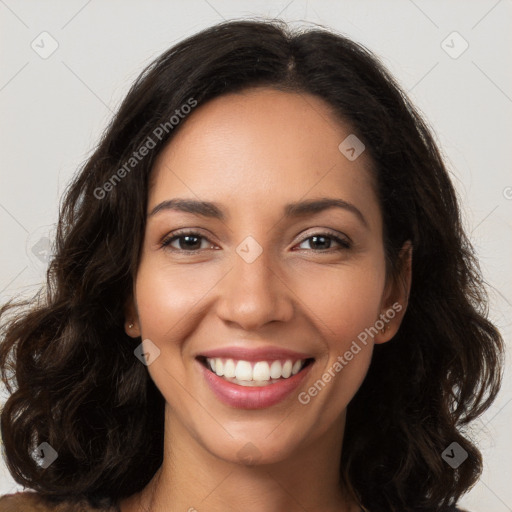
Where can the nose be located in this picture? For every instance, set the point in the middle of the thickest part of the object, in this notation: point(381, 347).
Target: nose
point(255, 294)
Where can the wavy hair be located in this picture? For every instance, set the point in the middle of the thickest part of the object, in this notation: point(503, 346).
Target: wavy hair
point(69, 366)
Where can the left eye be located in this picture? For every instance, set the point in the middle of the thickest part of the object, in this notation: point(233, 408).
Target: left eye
point(326, 238)
point(191, 242)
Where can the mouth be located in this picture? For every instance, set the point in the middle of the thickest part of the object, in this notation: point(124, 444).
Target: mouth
point(253, 379)
point(254, 373)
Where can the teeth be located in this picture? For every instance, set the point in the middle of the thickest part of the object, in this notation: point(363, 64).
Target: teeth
point(243, 370)
point(276, 370)
point(287, 369)
point(261, 371)
point(229, 369)
point(247, 373)
point(296, 367)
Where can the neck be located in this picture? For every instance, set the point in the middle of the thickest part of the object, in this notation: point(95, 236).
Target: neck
point(309, 479)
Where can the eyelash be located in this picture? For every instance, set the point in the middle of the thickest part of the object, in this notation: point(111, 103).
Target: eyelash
point(165, 244)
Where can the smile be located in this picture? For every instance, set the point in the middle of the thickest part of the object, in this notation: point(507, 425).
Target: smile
point(260, 373)
point(253, 379)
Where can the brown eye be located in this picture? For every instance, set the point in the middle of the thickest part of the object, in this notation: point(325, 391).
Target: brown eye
point(321, 242)
point(186, 242)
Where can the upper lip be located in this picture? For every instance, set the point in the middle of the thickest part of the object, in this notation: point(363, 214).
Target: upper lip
point(255, 354)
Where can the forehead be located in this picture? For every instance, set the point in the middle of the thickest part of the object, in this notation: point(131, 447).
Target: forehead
point(259, 148)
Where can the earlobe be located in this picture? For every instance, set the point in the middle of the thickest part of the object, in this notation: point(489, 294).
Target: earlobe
point(131, 323)
point(132, 329)
point(396, 297)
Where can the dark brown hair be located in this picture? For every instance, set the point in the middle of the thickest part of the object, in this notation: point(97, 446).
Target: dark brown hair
point(69, 365)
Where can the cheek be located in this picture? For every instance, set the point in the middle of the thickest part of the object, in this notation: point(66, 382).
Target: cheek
point(345, 304)
point(345, 300)
point(169, 297)
point(168, 306)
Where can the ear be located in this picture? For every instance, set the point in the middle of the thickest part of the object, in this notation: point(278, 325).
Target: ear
point(395, 297)
point(131, 322)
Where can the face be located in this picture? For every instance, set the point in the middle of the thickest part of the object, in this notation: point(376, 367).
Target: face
point(284, 303)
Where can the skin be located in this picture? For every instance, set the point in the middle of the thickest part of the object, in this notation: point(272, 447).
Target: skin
point(253, 153)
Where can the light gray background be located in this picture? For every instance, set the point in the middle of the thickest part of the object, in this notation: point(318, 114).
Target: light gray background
point(53, 111)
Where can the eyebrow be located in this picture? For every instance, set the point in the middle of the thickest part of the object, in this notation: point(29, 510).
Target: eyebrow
point(298, 209)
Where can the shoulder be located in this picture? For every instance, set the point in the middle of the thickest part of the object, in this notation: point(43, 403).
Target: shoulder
point(29, 501)
point(26, 501)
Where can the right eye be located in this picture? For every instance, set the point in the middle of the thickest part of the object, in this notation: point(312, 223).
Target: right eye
point(188, 241)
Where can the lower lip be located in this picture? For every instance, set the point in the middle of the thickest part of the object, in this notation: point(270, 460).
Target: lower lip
point(258, 397)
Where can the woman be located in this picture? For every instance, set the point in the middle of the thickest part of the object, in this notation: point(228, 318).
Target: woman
point(261, 298)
